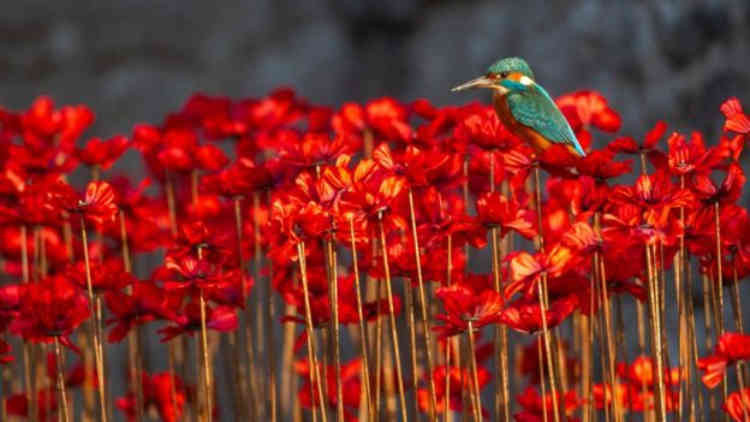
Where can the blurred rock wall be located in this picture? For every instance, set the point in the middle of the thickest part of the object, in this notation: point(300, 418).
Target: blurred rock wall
point(134, 60)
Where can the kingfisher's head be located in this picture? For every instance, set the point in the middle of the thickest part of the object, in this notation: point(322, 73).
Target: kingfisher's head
point(511, 74)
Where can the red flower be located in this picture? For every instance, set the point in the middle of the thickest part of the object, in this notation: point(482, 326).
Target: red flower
point(103, 153)
point(534, 406)
point(642, 372)
point(589, 108)
point(460, 382)
point(655, 195)
point(219, 318)
point(526, 269)
point(737, 120)
point(46, 399)
point(157, 392)
point(690, 157)
point(738, 405)
point(485, 130)
point(629, 145)
point(52, 307)
point(210, 157)
point(525, 315)
point(97, 204)
point(730, 348)
point(351, 382)
point(146, 303)
point(463, 305)
point(600, 165)
point(495, 210)
point(421, 168)
point(729, 190)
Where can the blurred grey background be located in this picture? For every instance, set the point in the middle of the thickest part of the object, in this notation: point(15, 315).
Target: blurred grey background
point(135, 60)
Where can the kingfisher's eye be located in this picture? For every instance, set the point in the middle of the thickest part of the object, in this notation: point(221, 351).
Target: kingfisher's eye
point(504, 74)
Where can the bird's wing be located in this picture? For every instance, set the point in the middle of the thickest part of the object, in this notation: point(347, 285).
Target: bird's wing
point(536, 109)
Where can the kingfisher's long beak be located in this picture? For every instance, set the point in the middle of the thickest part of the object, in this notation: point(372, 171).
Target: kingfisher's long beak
point(480, 82)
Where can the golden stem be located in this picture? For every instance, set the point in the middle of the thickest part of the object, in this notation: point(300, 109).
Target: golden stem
point(423, 305)
point(362, 328)
point(656, 333)
point(96, 324)
point(474, 376)
point(61, 381)
point(502, 407)
point(333, 292)
point(315, 379)
point(392, 317)
point(206, 361)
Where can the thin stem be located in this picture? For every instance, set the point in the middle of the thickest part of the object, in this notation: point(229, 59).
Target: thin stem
point(410, 319)
point(61, 381)
point(423, 304)
point(501, 339)
point(206, 361)
point(362, 328)
point(392, 317)
point(238, 387)
point(315, 379)
point(656, 333)
point(96, 324)
point(265, 327)
point(134, 352)
point(611, 352)
point(333, 292)
point(474, 376)
point(542, 290)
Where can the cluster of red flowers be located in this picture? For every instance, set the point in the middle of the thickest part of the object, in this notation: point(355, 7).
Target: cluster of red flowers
point(258, 214)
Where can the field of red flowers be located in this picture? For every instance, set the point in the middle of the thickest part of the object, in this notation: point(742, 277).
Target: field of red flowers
point(378, 261)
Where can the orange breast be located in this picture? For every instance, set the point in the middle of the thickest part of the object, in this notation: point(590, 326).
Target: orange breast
point(532, 137)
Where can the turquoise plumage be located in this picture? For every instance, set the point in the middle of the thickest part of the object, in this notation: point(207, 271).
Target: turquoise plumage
point(524, 106)
point(534, 108)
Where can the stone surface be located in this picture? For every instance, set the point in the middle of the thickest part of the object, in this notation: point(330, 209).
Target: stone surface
point(134, 60)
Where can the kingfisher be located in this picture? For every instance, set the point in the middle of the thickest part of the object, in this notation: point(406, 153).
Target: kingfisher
point(524, 107)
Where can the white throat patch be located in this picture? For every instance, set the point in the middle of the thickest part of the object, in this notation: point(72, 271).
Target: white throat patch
point(526, 81)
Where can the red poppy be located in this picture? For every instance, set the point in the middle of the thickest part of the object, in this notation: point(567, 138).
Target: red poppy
point(97, 204)
point(460, 380)
point(107, 275)
point(52, 307)
point(351, 382)
point(463, 305)
point(600, 165)
point(101, 153)
point(146, 303)
point(484, 130)
point(46, 401)
point(534, 406)
point(691, 156)
point(496, 210)
point(730, 348)
point(738, 405)
point(219, 318)
point(525, 315)
point(589, 108)
point(629, 145)
point(421, 168)
point(157, 393)
point(526, 269)
point(737, 120)
point(655, 195)
point(729, 190)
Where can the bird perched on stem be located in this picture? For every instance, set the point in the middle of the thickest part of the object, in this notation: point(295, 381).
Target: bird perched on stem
point(525, 107)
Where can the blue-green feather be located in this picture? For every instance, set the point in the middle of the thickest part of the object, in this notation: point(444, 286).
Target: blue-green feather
point(533, 107)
